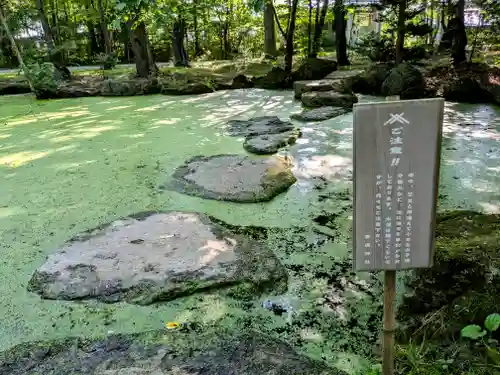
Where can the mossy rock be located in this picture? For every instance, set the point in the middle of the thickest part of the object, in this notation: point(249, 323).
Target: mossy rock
point(406, 81)
point(463, 285)
point(192, 349)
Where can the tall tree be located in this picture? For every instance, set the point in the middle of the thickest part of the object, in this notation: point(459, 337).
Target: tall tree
point(104, 28)
point(459, 35)
point(134, 11)
point(400, 41)
point(55, 53)
point(340, 33)
point(3, 22)
point(320, 24)
point(269, 30)
point(178, 33)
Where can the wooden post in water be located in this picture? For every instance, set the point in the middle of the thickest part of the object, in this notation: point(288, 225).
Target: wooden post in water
point(397, 148)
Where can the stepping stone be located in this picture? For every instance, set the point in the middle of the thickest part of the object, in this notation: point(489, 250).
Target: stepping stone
point(234, 178)
point(320, 114)
point(151, 257)
point(316, 99)
point(342, 74)
point(270, 143)
point(259, 126)
point(301, 87)
point(216, 352)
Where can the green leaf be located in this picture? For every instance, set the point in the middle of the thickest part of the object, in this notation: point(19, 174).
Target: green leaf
point(121, 6)
point(472, 332)
point(492, 322)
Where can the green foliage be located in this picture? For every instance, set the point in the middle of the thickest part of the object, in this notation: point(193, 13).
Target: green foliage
point(376, 48)
point(108, 61)
point(42, 76)
point(473, 332)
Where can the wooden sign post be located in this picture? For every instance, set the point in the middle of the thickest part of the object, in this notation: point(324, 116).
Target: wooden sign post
point(397, 147)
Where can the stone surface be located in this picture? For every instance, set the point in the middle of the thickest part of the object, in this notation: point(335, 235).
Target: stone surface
point(258, 126)
point(233, 178)
point(154, 257)
point(343, 74)
point(313, 68)
point(130, 87)
point(320, 114)
point(406, 81)
point(370, 81)
point(276, 78)
point(193, 88)
point(316, 99)
point(241, 81)
point(14, 87)
point(187, 352)
point(301, 87)
point(270, 143)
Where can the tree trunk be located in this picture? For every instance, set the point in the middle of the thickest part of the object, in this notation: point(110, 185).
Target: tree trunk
point(340, 33)
point(55, 54)
point(309, 29)
point(269, 31)
point(93, 44)
point(180, 54)
point(15, 49)
point(108, 47)
point(318, 29)
point(459, 36)
point(400, 42)
point(144, 62)
point(197, 49)
point(290, 35)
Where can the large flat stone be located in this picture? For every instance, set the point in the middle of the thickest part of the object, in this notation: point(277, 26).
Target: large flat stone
point(301, 87)
point(258, 126)
point(270, 143)
point(235, 178)
point(163, 353)
point(316, 99)
point(341, 74)
point(320, 114)
point(154, 257)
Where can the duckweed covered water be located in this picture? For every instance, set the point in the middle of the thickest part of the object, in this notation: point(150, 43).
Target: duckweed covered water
point(70, 165)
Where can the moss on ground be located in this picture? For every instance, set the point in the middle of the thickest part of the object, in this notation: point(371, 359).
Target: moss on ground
point(463, 287)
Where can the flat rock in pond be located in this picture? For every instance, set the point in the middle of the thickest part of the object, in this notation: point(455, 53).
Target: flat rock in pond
point(258, 126)
point(301, 87)
point(152, 257)
point(157, 353)
point(328, 98)
point(319, 114)
point(234, 178)
point(270, 143)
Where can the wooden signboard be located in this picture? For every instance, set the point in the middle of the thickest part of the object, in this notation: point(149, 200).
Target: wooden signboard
point(397, 146)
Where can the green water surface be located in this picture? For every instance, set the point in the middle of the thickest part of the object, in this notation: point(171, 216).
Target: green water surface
point(70, 165)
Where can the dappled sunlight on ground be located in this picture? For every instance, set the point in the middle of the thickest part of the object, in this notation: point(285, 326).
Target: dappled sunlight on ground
point(69, 165)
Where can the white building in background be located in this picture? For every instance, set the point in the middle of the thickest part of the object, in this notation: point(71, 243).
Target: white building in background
point(365, 21)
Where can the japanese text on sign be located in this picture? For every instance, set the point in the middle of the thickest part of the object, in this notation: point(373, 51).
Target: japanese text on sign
point(396, 171)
